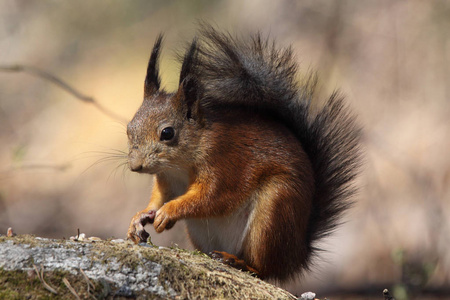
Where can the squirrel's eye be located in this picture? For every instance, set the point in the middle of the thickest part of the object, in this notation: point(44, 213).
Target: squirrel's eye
point(167, 134)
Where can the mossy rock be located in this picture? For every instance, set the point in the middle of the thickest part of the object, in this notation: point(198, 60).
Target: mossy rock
point(37, 268)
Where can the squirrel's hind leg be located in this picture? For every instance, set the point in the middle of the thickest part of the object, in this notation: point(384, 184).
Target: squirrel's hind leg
point(233, 261)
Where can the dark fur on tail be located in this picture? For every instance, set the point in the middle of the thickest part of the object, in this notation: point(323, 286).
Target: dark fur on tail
point(256, 75)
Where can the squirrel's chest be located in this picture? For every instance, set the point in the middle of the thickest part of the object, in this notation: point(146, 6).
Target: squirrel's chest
point(222, 234)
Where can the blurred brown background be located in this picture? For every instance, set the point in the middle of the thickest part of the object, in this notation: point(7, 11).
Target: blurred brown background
point(58, 172)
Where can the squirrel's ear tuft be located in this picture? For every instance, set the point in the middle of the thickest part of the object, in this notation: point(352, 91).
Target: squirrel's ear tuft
point(152, 80)
point(189, 90)
point(189, 61)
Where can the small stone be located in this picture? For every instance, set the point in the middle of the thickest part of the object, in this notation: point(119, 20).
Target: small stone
point(308, 296)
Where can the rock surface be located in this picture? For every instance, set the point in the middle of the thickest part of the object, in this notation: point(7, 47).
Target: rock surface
point(32, 267)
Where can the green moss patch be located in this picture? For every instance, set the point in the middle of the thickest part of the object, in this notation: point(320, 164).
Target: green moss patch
point(27, 285)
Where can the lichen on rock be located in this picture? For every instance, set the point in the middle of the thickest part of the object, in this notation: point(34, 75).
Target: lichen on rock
point(106, 269)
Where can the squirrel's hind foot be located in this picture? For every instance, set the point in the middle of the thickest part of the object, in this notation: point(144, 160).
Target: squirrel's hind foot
point(233, 261)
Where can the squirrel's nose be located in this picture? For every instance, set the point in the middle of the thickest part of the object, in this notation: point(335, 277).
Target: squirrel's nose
point(135, 167)
point(134, 162)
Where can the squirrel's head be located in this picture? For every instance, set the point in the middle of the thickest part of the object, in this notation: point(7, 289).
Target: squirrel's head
point(164, 131)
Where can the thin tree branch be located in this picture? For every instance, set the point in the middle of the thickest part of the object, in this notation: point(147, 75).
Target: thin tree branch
point(38, 166)
point(61, 84)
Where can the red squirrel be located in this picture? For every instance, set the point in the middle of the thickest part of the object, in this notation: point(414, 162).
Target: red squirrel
point(238, 153)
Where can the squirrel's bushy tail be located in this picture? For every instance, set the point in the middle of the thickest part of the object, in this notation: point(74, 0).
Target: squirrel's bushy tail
point(254, 74)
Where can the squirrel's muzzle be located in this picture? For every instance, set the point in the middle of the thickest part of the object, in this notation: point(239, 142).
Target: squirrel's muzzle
point(135, 161)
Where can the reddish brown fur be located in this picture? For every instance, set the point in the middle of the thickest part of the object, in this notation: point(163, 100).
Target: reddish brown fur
point(242, 154)
point(237, 154)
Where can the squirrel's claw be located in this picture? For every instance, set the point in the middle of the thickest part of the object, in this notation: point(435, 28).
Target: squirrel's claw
point(136, 231)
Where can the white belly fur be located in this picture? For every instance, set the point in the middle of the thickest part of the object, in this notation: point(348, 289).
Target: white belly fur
point(223, 233)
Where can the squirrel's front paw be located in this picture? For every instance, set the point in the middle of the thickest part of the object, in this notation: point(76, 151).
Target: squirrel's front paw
point(136, 231)
point(164, 218)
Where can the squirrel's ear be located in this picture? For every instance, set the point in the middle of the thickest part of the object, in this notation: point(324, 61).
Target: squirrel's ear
point(152, 80)
point(188, 96)
point(189, 61)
